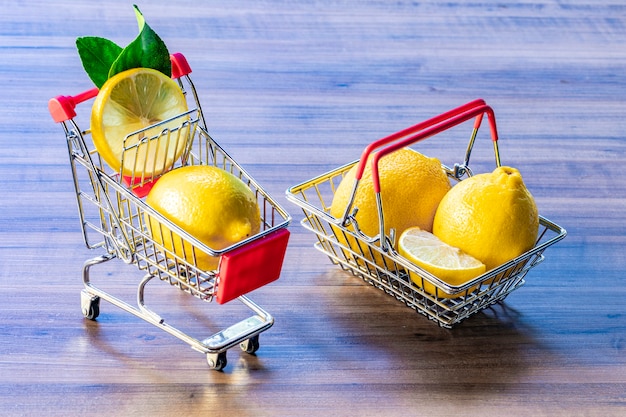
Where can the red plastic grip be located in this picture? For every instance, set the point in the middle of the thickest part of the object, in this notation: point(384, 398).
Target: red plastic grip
point(180, 66)
point(62, 108)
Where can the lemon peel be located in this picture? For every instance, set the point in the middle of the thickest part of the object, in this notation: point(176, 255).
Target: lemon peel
point(491, 216)
point(411, 184)
point(130, 101)
point(448, 263)
point(210, 204)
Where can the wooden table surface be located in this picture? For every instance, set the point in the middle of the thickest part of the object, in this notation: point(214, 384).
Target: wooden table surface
point(293, 89)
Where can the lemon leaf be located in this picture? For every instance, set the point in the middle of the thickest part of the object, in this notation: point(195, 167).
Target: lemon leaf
point(147, 50)
point(97, 55)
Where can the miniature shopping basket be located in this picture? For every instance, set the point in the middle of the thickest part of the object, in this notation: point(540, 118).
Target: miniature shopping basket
point(347, 246)
point(113, 219)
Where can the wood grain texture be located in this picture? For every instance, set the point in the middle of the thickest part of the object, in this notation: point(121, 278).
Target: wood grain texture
point(293, 89)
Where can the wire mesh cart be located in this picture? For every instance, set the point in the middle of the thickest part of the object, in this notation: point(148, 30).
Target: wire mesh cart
point(113, 218)
point(373, 258)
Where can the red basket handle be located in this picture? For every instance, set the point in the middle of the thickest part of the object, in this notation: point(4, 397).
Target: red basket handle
point(63, 108)
point(474, 109)
point(416, 128)
point(431, 128)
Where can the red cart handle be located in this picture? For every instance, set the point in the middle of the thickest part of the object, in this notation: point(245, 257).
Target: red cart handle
point(63, 108)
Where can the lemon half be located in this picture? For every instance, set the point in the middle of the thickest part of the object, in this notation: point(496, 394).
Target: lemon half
point(131, 101)
point(448, 263)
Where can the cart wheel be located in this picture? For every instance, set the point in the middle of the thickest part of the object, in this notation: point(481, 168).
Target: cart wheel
point(217, 361)
point(251, 345)
point(90, 305)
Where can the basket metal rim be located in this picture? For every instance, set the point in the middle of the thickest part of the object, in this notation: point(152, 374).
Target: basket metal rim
point(292, 195)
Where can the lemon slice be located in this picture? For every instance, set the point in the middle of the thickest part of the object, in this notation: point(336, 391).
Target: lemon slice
point(131, 101)
point(446, 262)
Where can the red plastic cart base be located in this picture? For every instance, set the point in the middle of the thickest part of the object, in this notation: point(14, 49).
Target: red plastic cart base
point(251, 266)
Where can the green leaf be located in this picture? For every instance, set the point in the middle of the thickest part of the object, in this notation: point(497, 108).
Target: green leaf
point(147, 50)
point(97, 55)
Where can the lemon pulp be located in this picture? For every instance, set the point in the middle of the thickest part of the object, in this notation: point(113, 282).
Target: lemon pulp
point(448, 263)
point(129, 102)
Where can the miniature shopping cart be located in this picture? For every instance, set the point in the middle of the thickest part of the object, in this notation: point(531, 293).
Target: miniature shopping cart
point(348, 247)
point(113, 218)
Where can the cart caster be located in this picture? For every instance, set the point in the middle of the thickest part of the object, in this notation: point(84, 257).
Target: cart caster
point(217, 361)
point(90, 305)
point(251, 345)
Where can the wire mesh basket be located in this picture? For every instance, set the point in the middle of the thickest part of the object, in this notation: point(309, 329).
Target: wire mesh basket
point(374, 259)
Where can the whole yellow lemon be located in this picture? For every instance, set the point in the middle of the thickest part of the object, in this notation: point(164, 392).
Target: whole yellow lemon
point(210, 204)
point(492, 217)
point(411, 184)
